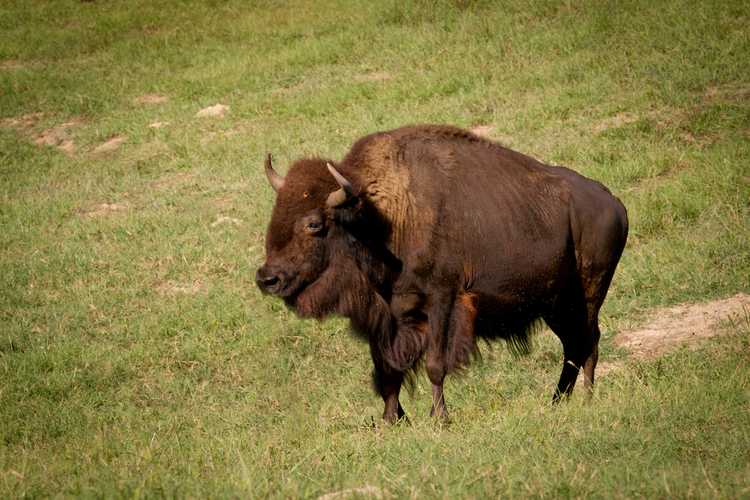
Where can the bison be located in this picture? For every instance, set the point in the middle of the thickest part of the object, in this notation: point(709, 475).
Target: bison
point(429, 238)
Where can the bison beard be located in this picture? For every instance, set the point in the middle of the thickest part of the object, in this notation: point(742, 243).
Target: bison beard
point(428, 238)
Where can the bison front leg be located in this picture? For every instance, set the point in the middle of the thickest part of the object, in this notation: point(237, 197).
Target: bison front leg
point(438, 399)
point(388, 385)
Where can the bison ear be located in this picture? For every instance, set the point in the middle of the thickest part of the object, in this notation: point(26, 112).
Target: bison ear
point(345, 191)
point(276, 181)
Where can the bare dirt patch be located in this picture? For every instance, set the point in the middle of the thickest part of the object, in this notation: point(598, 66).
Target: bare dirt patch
point(683, 325)
point(110, 145)
point(23, 122)
point(151, 99)
point(58, 136)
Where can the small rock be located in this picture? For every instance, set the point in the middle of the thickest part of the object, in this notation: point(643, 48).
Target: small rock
point(158, 124)
point(218, 110)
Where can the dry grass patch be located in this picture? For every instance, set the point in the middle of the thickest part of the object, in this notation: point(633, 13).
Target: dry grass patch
point(11, 64)
point(223, 220)
point(728, 93)
point(149, 152)
point(615, 121)
point(104, 209)
point(654, 182)
point(15, 64)
point(375, 76)
point(151, 99)
point(172, 288)
point(110, 145)
point(366, 491)
point(172, 180)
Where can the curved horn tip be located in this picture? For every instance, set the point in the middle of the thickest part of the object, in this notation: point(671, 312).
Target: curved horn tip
point(276, 181)
point(341, 180)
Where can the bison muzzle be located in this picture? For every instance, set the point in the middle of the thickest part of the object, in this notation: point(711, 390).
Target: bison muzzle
point(429, 238)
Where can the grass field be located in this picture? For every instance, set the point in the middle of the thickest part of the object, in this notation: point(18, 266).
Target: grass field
point(137, 357)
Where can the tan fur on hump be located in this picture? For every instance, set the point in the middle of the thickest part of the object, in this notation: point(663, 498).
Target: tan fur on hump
point(386, 183)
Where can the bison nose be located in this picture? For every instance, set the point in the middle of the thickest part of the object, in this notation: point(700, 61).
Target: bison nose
point(266, 279)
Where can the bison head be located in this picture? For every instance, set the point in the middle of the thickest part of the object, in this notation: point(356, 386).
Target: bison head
point(310, 242)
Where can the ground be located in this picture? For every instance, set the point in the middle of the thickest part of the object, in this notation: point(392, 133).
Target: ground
point(137, 356)
point(679, 326)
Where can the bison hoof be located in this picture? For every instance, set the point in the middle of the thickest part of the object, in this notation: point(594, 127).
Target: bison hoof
point(396, 419)
point(441, 416)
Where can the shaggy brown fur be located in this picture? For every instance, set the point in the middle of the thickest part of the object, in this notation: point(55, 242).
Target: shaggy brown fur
point(443, 238)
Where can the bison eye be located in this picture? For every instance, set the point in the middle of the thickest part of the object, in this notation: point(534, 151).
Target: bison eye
point(313, 227)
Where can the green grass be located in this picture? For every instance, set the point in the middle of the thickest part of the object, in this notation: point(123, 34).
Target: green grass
point(137, 358)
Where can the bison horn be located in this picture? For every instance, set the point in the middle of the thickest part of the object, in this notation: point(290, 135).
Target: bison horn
point(339, 196)
point(276, 181)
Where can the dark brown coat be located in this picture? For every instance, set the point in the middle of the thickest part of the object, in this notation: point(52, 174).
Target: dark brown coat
point(429, 237)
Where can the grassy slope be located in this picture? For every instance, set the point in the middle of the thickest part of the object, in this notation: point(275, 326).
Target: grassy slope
point(113, 381)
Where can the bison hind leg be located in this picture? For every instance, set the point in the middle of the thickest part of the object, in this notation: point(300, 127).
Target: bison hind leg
point(578, 332)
